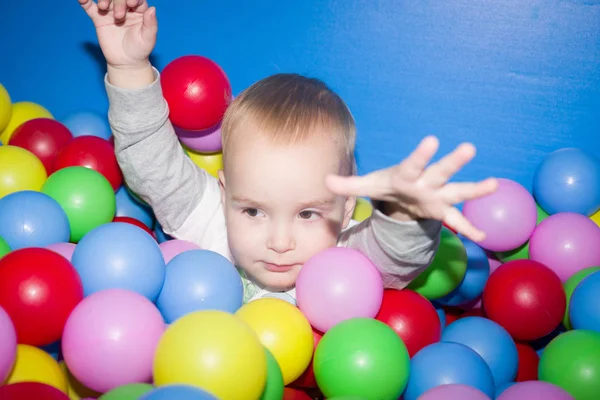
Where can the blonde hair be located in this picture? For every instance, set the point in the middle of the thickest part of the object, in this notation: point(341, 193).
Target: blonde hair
point(291, 108)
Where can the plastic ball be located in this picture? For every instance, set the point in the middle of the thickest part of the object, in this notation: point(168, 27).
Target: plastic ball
point(199, 280)
point(86, 123)
point(447, 269)
point(507, 216)
point(535, 390)
point(570, 286)
point(85, 195)
point(568, 180)
point(132, 391)
point(448, 363)
point(215, 351)
point(412, 317)
point(205, 141)
point(211, 163)
point(8, 345)
point(583, 310)
point(5, 108)
point(501, 388)
point(572, 361)
point(20, 170)
point(31, 390)
point(134, 222)
point(197, 91)
point(120, 256)
point(128, 206)
point(94, 153)
point(65, 249)
point(307, 379)
point(110, 338)
point(283, 330)
point(526, 298)
point(454, 392)
point(44, 137)
point(172, 248)
point(596, 218)
point(4, 247)
point(362, 210)
point(357, 355)
point(32, 219)
point(22, 111)
point(522, 252)
point(295, 394)
point(75, 389)
point(491, 341)
point(528, 363)
point(178, 392)
point(338, 284)
point(566, 243)
point(38, 289)
point(35, 365)
point(274, 386)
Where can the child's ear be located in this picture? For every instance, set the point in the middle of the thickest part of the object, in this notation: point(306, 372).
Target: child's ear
point(222, 184)
point(349, 210)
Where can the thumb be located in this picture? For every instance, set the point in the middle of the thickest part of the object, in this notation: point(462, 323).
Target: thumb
point(149, 25)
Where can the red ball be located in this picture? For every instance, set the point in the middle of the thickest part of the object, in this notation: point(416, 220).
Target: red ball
point(91, 152)
point(295, 394)
point(197, 92)
point(526, 298)
point(38, 289)
point(528, 363)
point(307, 379)
point(413, 318)
point(44, 137)
point(133, 221)
point(31, 390)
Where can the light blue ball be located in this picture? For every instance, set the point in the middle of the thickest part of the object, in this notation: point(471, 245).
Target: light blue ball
point(88, 123)
point(491, 341)
point(199, 280)
point(32, 219)
point(584, 310)
point(161, 236)
point(445, 363)
point(568, 180)
point(119, 255)
point(178, 392)
point(127, 206)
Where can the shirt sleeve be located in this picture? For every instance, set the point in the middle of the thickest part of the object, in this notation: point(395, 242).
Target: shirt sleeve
point(400, 250)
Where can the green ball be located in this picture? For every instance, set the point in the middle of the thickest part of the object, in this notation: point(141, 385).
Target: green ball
point(86, 196)
point(4, 248)
point(274, 386)
point(447, 269)
point(570, 286)
point(572, 361)
point(132, 391)
point(361, 357)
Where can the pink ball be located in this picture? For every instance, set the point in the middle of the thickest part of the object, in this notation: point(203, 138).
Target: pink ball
point(530, 390)
point(508, 216)
point(454, 391)
point(338, 284)
point(110, 338)
point(64, 249)
point(172, 248)
point(493, 260)
point(8, 345)
point(566, 243)
point(204, 141)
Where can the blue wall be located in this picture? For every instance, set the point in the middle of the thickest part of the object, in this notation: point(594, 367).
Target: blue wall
point(517, 78)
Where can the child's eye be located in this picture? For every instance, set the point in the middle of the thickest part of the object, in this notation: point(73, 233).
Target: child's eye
point(251, 212)
point(307, 214)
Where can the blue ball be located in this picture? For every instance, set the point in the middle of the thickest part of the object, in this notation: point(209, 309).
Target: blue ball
point(32, 219)
point(568, 180)
point(441, 313)
point(161, 236)
point(199, 280)
point(491, 341)
point(583, 307)
point(445, 363)
point(119, 255)
point(53, 349)
point(88, 124)
point(178, 392)
point(476, 276)
point(127, 206)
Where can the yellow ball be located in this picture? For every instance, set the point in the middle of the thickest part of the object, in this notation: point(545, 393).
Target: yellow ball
point(213, 350)
point(362, 210)
point(5, 108)
point(35, 365)
point(75, 389)
point(22, 111)
point(20, 170)
point(284, 330)
point(211, 163)
point(596, 218)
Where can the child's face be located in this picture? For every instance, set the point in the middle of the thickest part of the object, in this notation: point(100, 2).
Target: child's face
point(278, 210)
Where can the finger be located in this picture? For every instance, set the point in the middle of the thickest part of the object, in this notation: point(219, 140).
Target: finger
point(413, 166)
point(454, 193)
point(103, 5)
point(376, 185)
point(149, 25)
point(457, 222)
point(119, 8)
point(443, 170)
point(90, 7)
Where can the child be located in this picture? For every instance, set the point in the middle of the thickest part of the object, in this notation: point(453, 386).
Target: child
point(287, 189)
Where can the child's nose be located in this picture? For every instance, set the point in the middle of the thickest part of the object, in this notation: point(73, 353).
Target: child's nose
point(281, 239)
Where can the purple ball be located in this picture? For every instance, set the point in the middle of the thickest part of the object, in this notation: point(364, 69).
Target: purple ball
point(566, 243)
point(535, 390)
point(508, 216)
point(172, 248)
point(8, 345)
point(204, 141)
point(454, 391)
point(65, 249)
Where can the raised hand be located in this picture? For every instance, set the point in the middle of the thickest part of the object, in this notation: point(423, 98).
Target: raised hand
point(414, 190)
